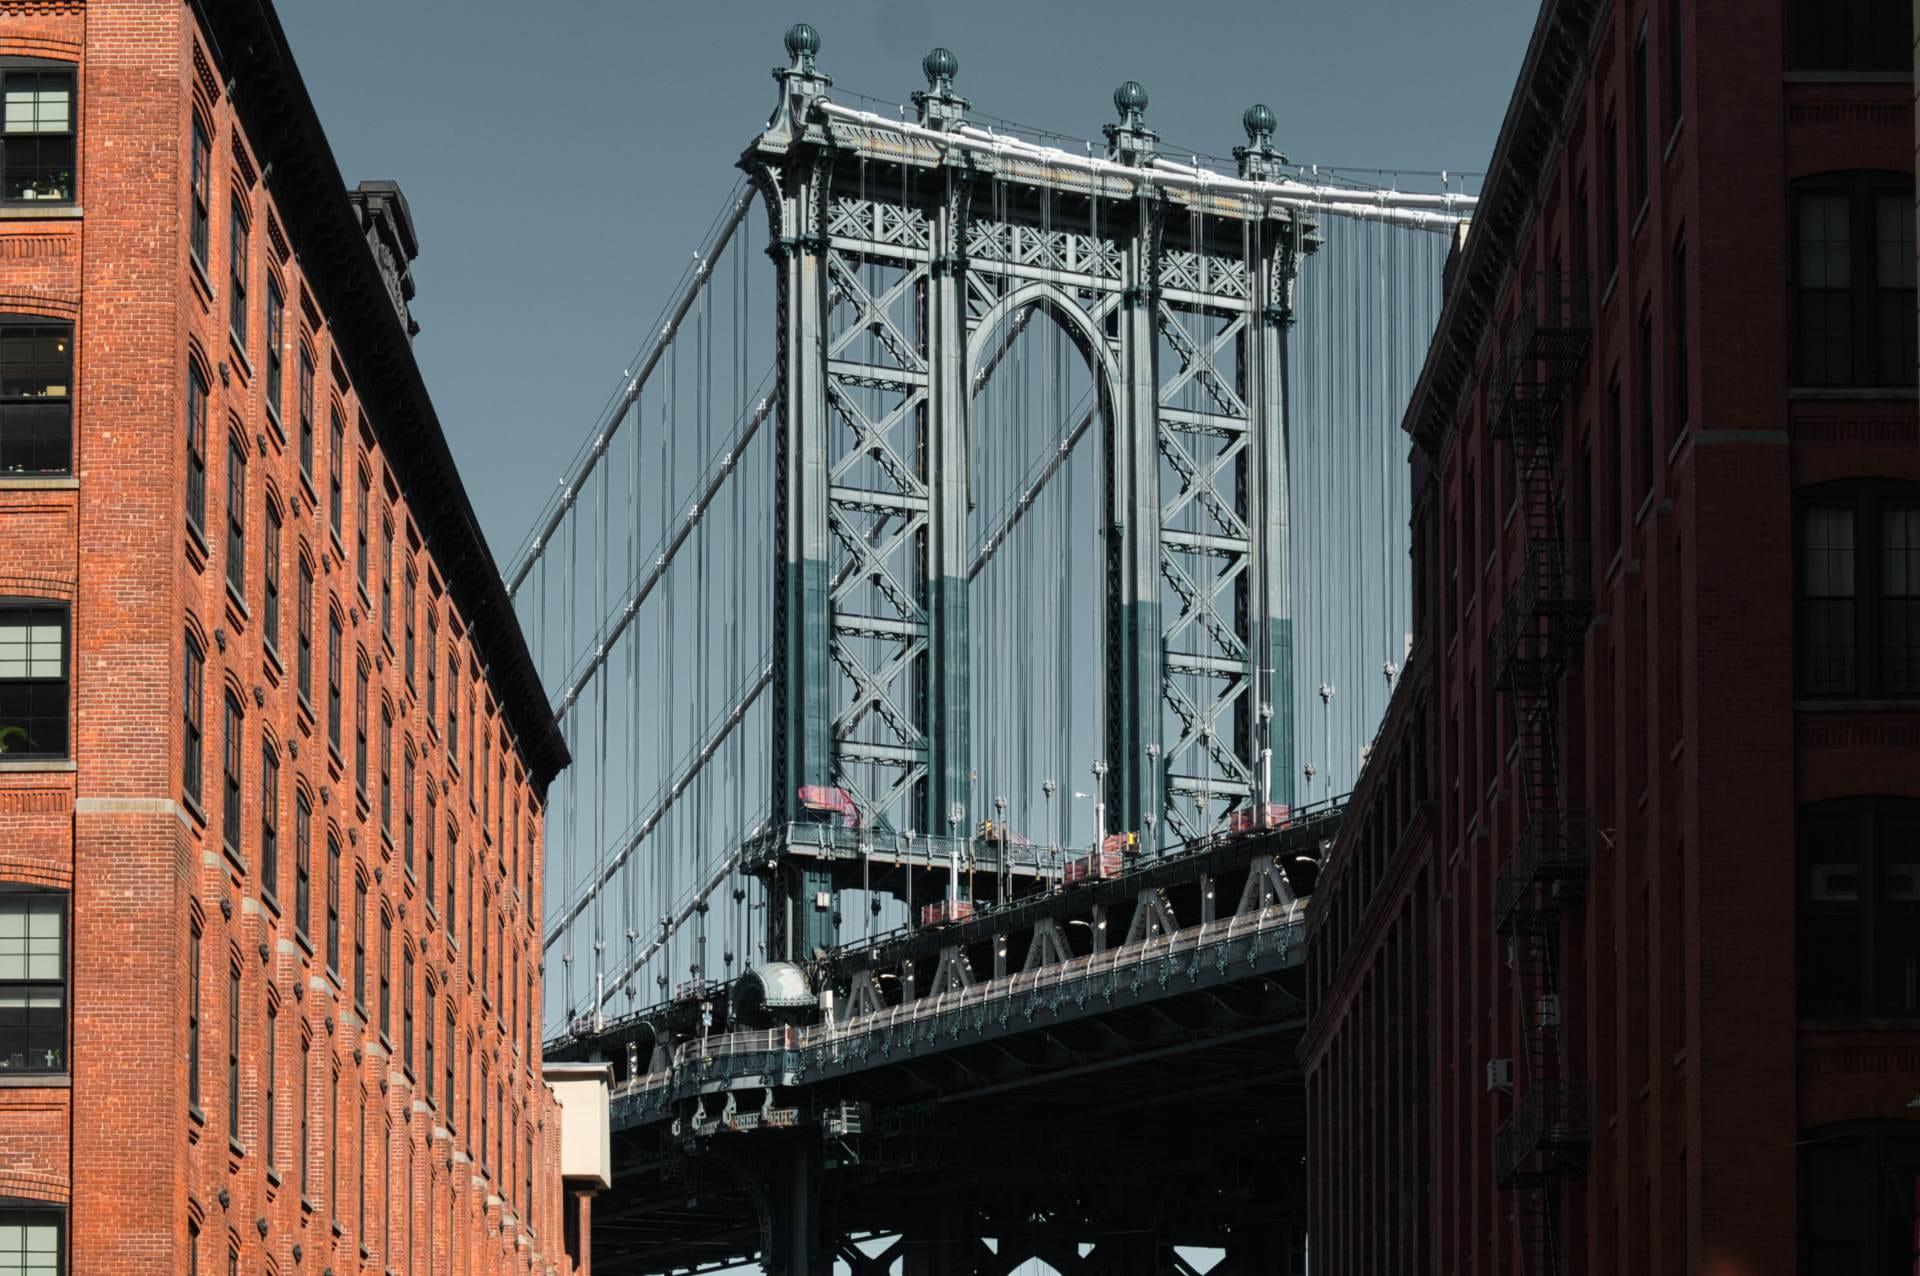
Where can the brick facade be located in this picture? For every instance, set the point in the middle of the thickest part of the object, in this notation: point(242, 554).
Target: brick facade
point(1712, 1081)
point(367, 1158)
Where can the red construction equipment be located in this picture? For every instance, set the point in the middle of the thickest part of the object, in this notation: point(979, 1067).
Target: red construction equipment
point(945, 912)
point(830, 801)
point(1261, 815)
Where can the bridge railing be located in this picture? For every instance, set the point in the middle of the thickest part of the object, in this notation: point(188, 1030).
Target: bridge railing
point(697, 1053)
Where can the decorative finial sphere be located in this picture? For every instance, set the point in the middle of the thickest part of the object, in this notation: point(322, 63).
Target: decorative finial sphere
point(802, 40)
point(1258, 121)
point(938, 63)
point(1131, 96)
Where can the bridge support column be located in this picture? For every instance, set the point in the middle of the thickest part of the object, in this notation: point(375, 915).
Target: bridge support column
point(794, 1245)
point(940, 1246)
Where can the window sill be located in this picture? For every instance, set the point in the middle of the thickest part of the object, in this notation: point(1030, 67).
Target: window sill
point(1639, 218)
point(275, 428)
point(237, 606)
point(35, 1081)
point(40, 765)
point(273, 1176)
point(199, 1117)
point(198, 270)
point(53, 211)
point(270, 900)
point(196, 545)
point(237, 1148)
point(1606, 294)
point(275, 670)
point(48, 484)
point(1848, 77)
point(1859, 393)
point(237, 348)
point(1840, 705)
point(193, 809)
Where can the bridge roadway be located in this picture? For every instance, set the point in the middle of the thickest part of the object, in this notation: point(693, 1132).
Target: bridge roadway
point(1092, 1104)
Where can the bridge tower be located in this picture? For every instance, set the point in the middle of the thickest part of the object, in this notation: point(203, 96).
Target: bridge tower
point(905, 251)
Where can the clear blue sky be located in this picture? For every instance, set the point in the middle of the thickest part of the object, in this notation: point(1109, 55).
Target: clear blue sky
point(560, 171)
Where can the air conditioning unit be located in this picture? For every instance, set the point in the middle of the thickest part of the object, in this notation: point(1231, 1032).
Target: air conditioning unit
point(1499, 1075)
point(1549, 1011)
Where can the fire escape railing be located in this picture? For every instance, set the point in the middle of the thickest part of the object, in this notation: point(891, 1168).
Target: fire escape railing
point(1541, 625)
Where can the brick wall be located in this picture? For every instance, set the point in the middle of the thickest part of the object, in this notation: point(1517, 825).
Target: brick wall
point(152, 877)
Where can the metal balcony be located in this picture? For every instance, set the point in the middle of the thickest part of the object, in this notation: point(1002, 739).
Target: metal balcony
point(1549, 341)
point(1552, 1122)
point(1547, 868)
point(1545, 616)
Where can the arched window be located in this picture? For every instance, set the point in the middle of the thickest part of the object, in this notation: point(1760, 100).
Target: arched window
point(1857, 1194)
point(1853, 280)
point(36, 395)
point(1859, 902)
point(1857, 579)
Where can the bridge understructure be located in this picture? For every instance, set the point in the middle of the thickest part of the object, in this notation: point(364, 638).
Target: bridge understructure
point(1096, 1076)
point(935, 1045)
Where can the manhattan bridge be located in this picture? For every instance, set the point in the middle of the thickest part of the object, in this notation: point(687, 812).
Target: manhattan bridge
point(965, 616)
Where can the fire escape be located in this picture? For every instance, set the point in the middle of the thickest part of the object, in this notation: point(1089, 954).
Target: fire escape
point(1545, 1136)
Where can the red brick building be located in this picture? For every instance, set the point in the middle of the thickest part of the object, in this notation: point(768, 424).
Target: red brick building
point(273, 755)
point(1616, 964)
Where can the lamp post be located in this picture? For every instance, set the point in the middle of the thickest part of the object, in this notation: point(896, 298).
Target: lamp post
point(955, 814)
point(1047, 787)
point(1326, 725)
point(1099, 805)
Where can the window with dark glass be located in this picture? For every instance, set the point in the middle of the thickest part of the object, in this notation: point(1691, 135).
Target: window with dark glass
point(33, 1238)
point(306, 1097)
point(196, 448)
point(386, 580)
point(427, 1073)
point(303, 633)
point(1858, 579)
point(33, 680)
point(1648, 446)
point(302, 863)
point(276, 323)
point(1849, 35)
point(1610, 195)
point(386, 975)
point(333, 681)
point(1616, 515)
point(306, 415)
point(1853, 280)
point(269, 819)
point(453, 872)
point(273, 1066)
point(386, 773)
point(237, 515)
point(406, 1009)
point(337, 446)
point(1676, 61)
point(237, 260)
point(409, 600)
point(451, 1050)
point(33, 981)
point(36, 397)
point(333, 904)
point(1859, 944)
point(360, 946)
point(270, 581)
point(36, 150)
point(1858, 1185)
point(430, 662)
point(360, 728)
point(1642, 121)
point(406, 808)
point(232, 751)
point(1677, 312)
point(193, 1016)
point(190, 710)
point(361, 499)
point(201, 181)
point(426, 834)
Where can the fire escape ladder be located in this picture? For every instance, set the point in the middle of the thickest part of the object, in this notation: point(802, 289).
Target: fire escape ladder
point(1542, 621)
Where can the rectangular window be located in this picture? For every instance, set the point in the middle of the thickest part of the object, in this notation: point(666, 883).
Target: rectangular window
point(1610, 195)
point(451, 1050)
point(386, 581)
point(453, 711)
point(1677, 312)
point(1617, 486)
point(361, 500)
point(427, 842)
point(406, 1010)
point(1854, 293)
point(1643, 121)
point(33, 682)
point(273, 1066)
point(1849, 35)
point(230, 799)
point(333, 904)
point(37, 151)
point(1900, 600)
point(1823, 310)
point(386, 975)
point(360, 729)
point(306, 415)
point(386, 773)
point(276, 325)
point(306, 1100)
point(36, 398)
point(1893, 288)
point(360, 947)
point(269, 820)
point(196, 449)
point(202, 180)
point(333, 1142)
point(33, 981)
point(237, 516)
point(453, 872)
point(406, 809)
point(409, 600)
point(33, 1240)
point(237, 259)
point(1676, 62)
point(270, 582)
point(1827, 630)
point(360, 1175)
point(303, 624)
point(333, 681)
point(433, 637)
point(1648, 443)
point(233, 1053)
point(190, 709)
point(427, 1073)
point(337, 446)
point(302, 863)
point(193, 1017)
